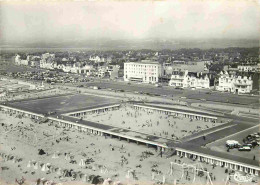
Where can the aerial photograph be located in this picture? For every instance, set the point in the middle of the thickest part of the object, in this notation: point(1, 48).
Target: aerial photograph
point(135, 92)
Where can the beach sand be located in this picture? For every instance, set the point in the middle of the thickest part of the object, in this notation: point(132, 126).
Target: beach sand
point(106, 157)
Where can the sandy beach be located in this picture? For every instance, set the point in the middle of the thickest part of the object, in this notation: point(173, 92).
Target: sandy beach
point(82, 154)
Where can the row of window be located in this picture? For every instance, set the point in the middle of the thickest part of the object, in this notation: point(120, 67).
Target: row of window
point(140, 66)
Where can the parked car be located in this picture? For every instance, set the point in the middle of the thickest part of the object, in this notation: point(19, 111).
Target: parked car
point(244, 148)
point(248, 145)
point(232, 144)
point(96, 87)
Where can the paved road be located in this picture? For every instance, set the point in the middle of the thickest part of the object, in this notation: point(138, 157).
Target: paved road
point(192, 95)
point(241, 124)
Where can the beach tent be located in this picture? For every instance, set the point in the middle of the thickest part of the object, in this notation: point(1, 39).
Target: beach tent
point(43, 167)
point(29, 164)
point(36, 165)
point(55, 156)
point(48, 166)
point(84, 178)
point(58, 171)
point(82, 162)
point(67, 157)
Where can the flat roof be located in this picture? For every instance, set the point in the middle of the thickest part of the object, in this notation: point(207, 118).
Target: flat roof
point(144, 62)
point(90, 108)
point(61, 104)
point(191, 147)
point(178, 110)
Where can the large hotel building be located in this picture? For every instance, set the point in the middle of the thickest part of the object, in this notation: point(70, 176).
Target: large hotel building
point(146, 71)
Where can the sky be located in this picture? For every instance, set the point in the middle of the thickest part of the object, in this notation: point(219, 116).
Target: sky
point(30, 22)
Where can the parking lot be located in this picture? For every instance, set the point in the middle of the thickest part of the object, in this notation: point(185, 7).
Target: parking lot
point(220, 145)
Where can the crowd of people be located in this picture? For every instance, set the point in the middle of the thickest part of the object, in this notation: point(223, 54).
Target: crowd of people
point(151, 122)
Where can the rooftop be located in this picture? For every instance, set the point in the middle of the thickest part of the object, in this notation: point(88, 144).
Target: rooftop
point(145, 62)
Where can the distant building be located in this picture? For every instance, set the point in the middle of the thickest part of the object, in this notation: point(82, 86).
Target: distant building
point(121, 73)
point(234, 83)
point(17, 60)
point(145, 71)
point(248, 68)
point(179, 79)
point(96, 59)
point(102, 71)
point(113, 71)
point(185, 79)
point(81, 69)
point(24, 62)
point(191, 66)
point(20, 61)
point(35, 61)
point(47, 61)
point(75, 68)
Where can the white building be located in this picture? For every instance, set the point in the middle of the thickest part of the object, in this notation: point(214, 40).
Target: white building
point(20, 61)
point(185, 79)
point(198, 81)
point(96, 59)
point(179, 79)
point(248, 68)
point(17, 60)
point(234, 83)
point(75, 68)
point(80, 69)
point(145, 71)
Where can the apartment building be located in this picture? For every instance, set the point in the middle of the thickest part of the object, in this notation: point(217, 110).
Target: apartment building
point(146, 71)
point(186, 79)
point(234, 83)
point(248, 68)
